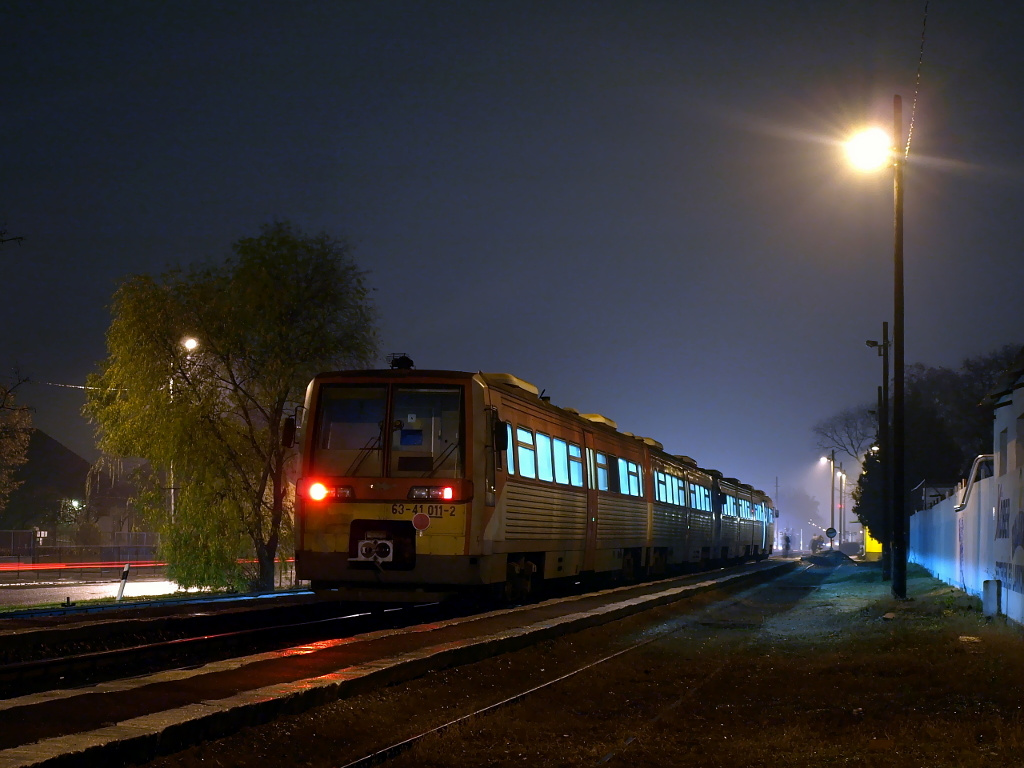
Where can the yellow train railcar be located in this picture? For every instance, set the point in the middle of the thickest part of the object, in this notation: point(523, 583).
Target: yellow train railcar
point(456, 479)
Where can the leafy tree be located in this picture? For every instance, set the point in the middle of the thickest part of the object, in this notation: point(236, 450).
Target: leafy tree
point(956, 396)
point(284, 306)
point(945, 428)
point(15, 430)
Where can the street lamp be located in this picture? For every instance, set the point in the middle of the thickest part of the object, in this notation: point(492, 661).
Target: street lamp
point(892, 156)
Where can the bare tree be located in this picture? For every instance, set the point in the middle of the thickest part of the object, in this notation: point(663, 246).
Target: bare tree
point(851, 431)
point(5, 239)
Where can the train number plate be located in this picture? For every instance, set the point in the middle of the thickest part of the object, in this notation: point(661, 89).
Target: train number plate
point(431, 510)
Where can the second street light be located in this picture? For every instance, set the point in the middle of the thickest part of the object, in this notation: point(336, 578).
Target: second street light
point(868, 152)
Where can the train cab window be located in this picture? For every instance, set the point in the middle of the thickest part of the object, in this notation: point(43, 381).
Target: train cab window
point(575, 465)
point(425, 438)
point(544, 471)
point(526, 453)
point(350, 429)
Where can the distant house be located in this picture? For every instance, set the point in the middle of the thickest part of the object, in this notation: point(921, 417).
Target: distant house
point(53, 475)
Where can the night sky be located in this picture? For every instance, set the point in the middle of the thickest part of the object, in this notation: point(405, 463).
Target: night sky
point(640, 207)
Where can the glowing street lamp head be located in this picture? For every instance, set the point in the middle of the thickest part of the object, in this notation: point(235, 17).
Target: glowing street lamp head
point(190, 343)
point(869, 150)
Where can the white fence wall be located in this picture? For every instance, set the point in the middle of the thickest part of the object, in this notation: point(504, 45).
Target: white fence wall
point(979, 543)
point(984, 541)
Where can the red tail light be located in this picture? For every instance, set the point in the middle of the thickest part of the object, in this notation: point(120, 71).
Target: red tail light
point(318, 490)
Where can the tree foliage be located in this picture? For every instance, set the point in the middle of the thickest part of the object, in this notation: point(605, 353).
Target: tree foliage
point(284, 306)
point(945, 428)
point(15, 430)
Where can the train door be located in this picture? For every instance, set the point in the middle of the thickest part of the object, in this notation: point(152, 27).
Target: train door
point(589, 552)
point(717, 507)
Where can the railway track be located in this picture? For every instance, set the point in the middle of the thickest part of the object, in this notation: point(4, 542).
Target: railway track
point(54, 663)
point(730, 613)
point(133, 719)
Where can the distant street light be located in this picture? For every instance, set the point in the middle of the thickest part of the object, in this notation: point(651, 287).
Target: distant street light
point(860, 147)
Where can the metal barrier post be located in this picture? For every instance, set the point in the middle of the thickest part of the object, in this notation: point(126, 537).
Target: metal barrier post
point(124, 578)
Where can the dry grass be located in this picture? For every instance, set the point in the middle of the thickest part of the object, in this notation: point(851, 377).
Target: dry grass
point(822, 678)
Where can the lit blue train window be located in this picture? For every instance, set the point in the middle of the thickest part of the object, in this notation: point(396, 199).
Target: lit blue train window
point(602, 472)
point(700, 498)
point(575, 465)
point(629, 478)
point(660, 492)
point(561, 455)
point(510, 453)
point(527, 458)
point(544, 457)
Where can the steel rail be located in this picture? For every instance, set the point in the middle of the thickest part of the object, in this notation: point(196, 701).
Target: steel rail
point(383, 755)
point(19, 678)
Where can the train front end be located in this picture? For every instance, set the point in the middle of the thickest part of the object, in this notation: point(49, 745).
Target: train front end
point(386, 494)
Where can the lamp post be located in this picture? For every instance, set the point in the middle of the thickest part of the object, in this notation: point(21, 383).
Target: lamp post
point(831, 459)
point(883, 450)
point(189, 344)
point(842, 504)
point(858, 151)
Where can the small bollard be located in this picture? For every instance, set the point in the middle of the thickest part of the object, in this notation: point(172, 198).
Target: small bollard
point(124, 578)
point(992, 597)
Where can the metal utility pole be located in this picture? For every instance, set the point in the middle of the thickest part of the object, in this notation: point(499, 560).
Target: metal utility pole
point(884, 454)
point(832, 507)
